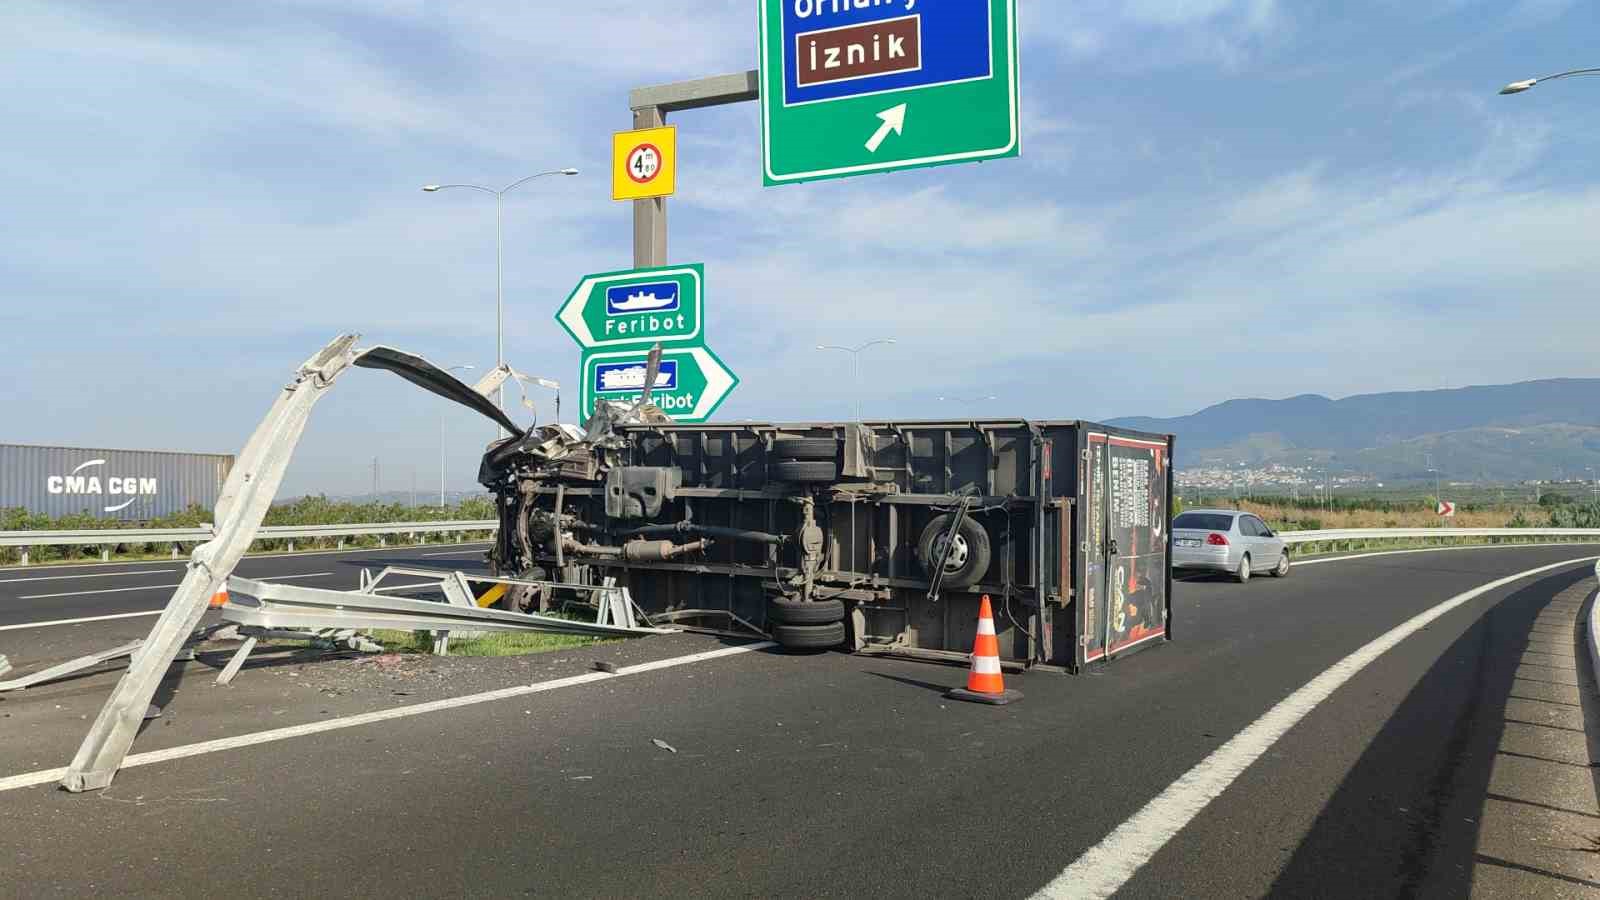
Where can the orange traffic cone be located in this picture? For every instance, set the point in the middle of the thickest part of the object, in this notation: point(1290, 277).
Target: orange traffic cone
point(984, 682)
point(220, 598)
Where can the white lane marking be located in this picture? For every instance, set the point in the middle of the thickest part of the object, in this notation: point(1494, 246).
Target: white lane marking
point(452, 553)
point(1108, 865)
point(98, 575)
point(398, 548)
point(47, 776)
point(151, 587)
point(153, 612)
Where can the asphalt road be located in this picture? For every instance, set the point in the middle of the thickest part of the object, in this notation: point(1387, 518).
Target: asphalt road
point(1456, 762)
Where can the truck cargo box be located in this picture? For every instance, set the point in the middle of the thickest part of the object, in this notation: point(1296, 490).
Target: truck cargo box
point(1063, 524)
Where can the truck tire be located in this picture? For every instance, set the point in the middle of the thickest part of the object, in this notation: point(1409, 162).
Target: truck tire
point(969, 555)
point(805, 448)
point(796, 612)
point(809, 637)
point(805, 471)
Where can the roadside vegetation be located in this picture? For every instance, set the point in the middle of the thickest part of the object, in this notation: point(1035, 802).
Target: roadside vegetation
point(313, 510)
point(493, 644)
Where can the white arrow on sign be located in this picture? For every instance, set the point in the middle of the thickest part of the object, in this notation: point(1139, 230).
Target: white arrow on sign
point(894, 119)
point(719, 381)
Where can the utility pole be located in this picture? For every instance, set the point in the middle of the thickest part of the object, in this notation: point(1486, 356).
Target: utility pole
point(374, 479)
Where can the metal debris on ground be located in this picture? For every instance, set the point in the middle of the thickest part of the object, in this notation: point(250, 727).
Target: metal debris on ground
point(67, 668)
point(664, 745)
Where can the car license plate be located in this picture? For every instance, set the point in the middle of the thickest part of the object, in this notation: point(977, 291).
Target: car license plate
point(1188, 542)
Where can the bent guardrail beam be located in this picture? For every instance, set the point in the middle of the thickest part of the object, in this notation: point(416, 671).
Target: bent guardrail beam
point(246, 496)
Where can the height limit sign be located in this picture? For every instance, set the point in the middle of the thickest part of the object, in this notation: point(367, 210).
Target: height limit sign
point(644, 163)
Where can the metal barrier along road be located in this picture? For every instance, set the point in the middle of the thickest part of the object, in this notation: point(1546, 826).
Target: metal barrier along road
point(1358, 534)
point(107, 537)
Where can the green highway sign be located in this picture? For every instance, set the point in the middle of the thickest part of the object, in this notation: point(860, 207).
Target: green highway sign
point(690, 386)
point(637, 307)
point(850, 87)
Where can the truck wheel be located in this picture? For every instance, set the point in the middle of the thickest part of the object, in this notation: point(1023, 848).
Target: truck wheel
point(809, 637)
point(805, 448)
point(969, 551)
point(805, 471)
point(796, 612)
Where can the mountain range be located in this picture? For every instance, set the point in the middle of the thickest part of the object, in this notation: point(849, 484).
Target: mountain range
point(1505, 432)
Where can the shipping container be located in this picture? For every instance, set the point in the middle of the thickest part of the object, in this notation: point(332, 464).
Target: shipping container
point(116, 485)
point(881, 536)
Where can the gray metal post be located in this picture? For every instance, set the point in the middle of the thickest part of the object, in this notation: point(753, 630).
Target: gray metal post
point(246, 497)
point(649, 216)
point(650, 106)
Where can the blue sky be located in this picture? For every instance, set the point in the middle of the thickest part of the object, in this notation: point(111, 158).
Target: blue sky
point(1216, 198)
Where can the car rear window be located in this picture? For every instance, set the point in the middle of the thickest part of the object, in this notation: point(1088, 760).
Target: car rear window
point(1204, 521)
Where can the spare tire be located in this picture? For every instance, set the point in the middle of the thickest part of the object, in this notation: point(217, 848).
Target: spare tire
point(805, 448)
point(798, 612)
point(969, 551)
point(805, 471)
point(809, 637)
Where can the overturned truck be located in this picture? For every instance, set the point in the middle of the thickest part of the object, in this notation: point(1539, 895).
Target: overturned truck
point(874, 537)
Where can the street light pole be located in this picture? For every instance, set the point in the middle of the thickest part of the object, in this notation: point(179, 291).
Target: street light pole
point(1517, 87)
point(499, 262)
point(855, 364)
point(441, 442)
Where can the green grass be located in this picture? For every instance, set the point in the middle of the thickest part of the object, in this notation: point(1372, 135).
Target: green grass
point(492, 644)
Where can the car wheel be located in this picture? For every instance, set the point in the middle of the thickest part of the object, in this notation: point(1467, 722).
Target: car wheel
point(1282, 571)
point(809, 637)
point(1243, 574)
point(969, 551)
point(797, 612)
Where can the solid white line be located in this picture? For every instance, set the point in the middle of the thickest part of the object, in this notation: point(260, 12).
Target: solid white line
point(153, 612)
point(47, 776)
point(1108, 865)
point(149, 587)
point(97, 575)
point(452, 553)
point(397, 548)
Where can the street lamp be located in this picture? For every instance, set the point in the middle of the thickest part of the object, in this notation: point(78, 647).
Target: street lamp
point(855, 364)
point(441, 443)
point(499, 261)
point(1517, 87)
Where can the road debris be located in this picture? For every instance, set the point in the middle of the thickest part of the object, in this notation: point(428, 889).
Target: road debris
point(664, 745)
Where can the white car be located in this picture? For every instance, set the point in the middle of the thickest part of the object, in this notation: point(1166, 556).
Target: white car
point(1227, 540)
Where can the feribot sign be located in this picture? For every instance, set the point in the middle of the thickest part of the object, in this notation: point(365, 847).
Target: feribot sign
point(690, 385)
point(856, 86)
point(644, 163)
point(638, 307)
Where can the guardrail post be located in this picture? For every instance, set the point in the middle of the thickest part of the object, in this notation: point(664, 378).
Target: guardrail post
point(341, 543)
point(383, 541)
point(174, 551)
point(105, 555)
point(24, 555)
point(291, 546)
